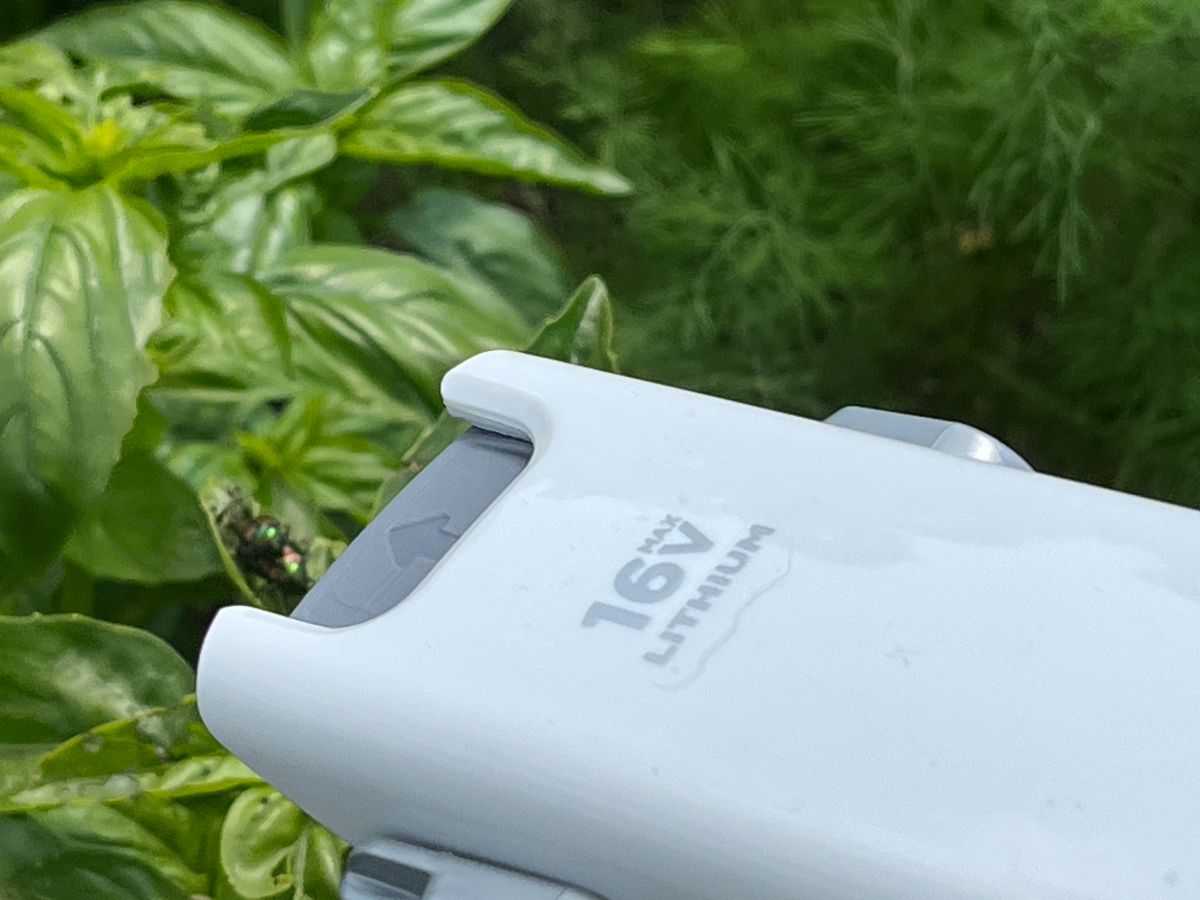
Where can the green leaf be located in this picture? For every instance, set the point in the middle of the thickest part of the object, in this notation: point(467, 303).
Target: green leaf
point(488, 241)
point(62, 675)
point(296, 17)
point(164, 754)
point(191, 827)
point(249, 233)
point(182, 149)
point(149, 428)
point(426, 32)
point(384, 325)
point(48, 122)
point(320, 453)
point(269, 848)
point(582, 332)
point(36, 134)
point(383, 328)
point(296, 158)
point(196, 776)
point(224, 351)
point(9, 182)
point(82, 276)
point(146, 527)
point(247, 222)
point(354, 43)
point(95, 852)
point(347, 42)
point(44, 143)
point(194, 51)
point(128, 140)
point(110, 786)
point(202, 463)
point(28, 64)
point(306, 108)
point(153, 738)
point(455, 125)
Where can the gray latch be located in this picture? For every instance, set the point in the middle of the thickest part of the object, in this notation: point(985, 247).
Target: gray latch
point(406, 540)
point(937, 434)
point(393, 870)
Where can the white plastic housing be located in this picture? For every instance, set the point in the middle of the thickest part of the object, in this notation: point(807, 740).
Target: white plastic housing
point(927, 678)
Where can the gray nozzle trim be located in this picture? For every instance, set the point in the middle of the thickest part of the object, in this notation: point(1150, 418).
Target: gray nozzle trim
point(953, 438)
point(395, 552)
point(393, 870)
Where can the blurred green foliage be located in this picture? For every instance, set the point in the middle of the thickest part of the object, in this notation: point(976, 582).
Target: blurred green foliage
point(982, 211)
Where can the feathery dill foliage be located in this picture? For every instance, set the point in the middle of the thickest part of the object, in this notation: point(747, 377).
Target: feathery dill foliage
point(985, 211)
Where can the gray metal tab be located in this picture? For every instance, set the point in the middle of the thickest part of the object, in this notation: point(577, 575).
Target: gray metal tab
point(393, 870)
point(406, 540)
point(936, 434)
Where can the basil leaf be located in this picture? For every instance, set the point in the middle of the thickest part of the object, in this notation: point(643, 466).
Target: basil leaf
point(306, 108)
point(150, 739)
point(194, 51)
point(95, 852)
point(38, 133)
point(494, 243)
point(347, 42)
point(27, 64)
point(163, 754)
point(146, 527)
point(63, 675)
point(109, 784)
point(387, 325)
point(247, 222)
point(426, 32)
point(269, 848)
point(296, 17)
point(455, 125)
point(82, 276)
point(225, 329)
point(195, 776)
point(582, 332)
point(44, 144)
point(224, 352)
point(177, 151)
point(322, 454)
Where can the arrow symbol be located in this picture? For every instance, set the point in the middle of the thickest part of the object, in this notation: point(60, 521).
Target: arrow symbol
point(428, 539)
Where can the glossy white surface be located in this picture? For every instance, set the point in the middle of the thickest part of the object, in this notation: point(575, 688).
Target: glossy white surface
point(934, 679)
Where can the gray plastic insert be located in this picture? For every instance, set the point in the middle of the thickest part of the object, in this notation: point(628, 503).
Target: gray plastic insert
point(393, 870)
point(953, 438)
point(395, 552)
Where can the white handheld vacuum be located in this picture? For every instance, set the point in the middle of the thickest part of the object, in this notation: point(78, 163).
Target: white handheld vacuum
point(627, 642)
